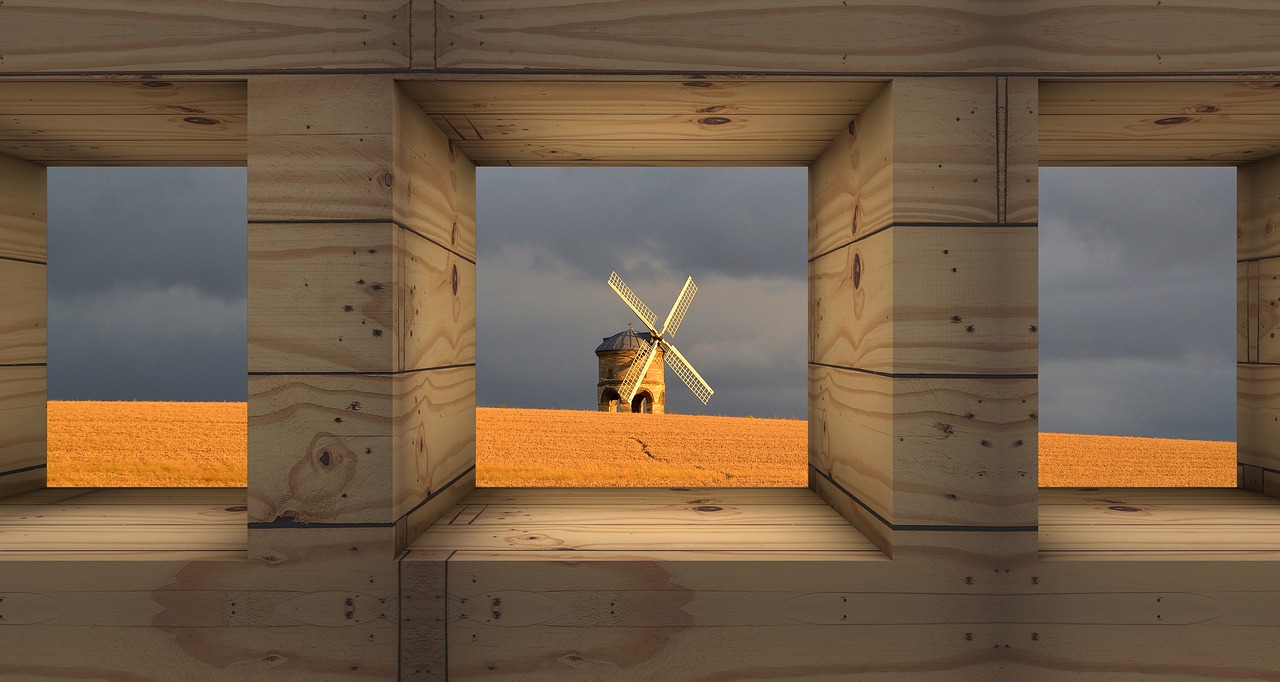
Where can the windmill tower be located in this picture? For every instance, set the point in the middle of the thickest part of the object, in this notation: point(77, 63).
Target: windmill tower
point(629, 377)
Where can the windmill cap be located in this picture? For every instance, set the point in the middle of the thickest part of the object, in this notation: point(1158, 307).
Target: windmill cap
point(624, 340)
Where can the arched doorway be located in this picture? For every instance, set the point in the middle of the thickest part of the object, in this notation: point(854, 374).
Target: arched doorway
point(609, 400)
point(643, 402)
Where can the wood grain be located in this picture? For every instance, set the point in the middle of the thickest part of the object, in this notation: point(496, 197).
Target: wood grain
point(172, 127)
point(319, 177)
point(23, 210)
point(928, 300)
point(1247, 312)
point(1266, 324)
point(1081, 96)
point(131, 96)
point(118, 35)
point(1258, 209)
point(641, 153)
point(423, 615)
point(1145, 152)
point(435, 433)
point(322, 297)
point(438, 316)
point(129, 152)
point(24, 322)
point(851, 435)
point(591, 537)
point(623, 95)
point(645, 496)
point(857, 37)
point(1258, 415)
point(22, 429)
point(435, 194)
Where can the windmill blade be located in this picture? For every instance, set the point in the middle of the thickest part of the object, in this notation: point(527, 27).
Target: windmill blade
point(687, 373)
point(635, 373)
point(676, 316)
point(637, 306)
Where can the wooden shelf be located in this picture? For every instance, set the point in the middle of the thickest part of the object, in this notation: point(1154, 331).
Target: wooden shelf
point(1162, 524)
point(127, 523)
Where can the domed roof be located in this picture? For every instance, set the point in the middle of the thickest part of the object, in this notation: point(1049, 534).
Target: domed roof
point(624, 340)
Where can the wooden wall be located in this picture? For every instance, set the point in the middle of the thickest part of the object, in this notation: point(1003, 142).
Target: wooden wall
point(23, 324)
point(1258, 325)
point(922, 246)
point(361, 311)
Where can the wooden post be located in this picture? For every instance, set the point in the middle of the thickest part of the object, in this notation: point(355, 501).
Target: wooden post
point(923, 329)
point(361, 314)
point(23, 324)
point(1258, 326)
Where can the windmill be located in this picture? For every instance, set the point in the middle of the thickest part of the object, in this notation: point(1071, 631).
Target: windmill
point(640, 366)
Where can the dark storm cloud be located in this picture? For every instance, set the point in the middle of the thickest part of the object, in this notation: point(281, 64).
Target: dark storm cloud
point(147, 283)
point(147, 228)
point(548, 239)
point(1137, 301)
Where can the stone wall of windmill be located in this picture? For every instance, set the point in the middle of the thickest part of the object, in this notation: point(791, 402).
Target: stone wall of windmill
point(615, 355)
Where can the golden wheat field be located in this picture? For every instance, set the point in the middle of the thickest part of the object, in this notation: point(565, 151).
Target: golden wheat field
point(110, 444)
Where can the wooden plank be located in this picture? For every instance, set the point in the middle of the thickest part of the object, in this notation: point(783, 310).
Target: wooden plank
point(1258, 209)
point(1157, 538)
point(171, 127)
point(1159, 126)
point(22, 429)
point(662, 127)
point(1271, 483)
point(321, 448)
point(1147, 651)
point(434, 433)
point(630, 153)
point(560, 537)
point(220, 497)
point(859, 36)
point(875, 529)
point(929, 300)
point(964, 452)
point(1267, 325)
point(690, 96)
point(322, 297)
point(120, 36)
point(656, 496)
point(851, 183)
point(116, 97)
point(319, 177)
point(850, 436)
point(1145, 152)
point(129, 152)
point(24, 324)
point(329, 104)
point(438, 319)
point(435, 193)
point(423, 616)
point(1140, 497)
point(1079, 96)
point(1247, 312)
point(1260, 513)
point(656, 515)
point(23, 210)
point(43, 537)
point(73, 514)
point(1258, 415)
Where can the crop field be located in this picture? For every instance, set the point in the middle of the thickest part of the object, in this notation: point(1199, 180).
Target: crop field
point(204, 444)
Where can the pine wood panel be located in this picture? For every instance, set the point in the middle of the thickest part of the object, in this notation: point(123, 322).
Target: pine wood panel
point(220, 497)
point(319, 177)
point(1081, 97)
point(435, 194)
point(435, 433)
point(647, 496)
point(41, 536)
point(1215, 538)
point(1139, 497)
point(114, 97)
point(427, 514)
point(129, 152)
point(423, 616)
point(1258, 209)
point(851, 183)
point(1271, 483)
point(23, 212)
point(24, 323)
point(1231, 507)
point(628, 153)
point(666, 127)
point(118, 35)
point(1018, 152)
point(561, 537)
point(702, 95)
point(1258, 415)
point(72, 514)
point(321, 448)
point(322, 297)
point(329, 104)
point(1159, 126)
point(1267, 324)
point(854, 37)
point(171, 127)
point(928, 300)
point(438, 315)
point(22, 429)
point(874, 528)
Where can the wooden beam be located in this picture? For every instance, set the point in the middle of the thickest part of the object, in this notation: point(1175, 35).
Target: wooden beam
point(435, 194)
point(435, 437)
point(187, 35)
point(1266, 318)
point(1167, 98)
point(23, 325)
point(1258, 209)
point(23, 210)
point(22, 429)
point(1258, 415)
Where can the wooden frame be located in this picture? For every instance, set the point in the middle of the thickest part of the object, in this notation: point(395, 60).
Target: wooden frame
point(922, 125)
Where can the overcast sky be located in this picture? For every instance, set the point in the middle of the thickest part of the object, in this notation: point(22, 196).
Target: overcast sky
point(1137, 288)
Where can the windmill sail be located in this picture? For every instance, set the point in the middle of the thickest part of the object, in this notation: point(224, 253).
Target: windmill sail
point(648, 351)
